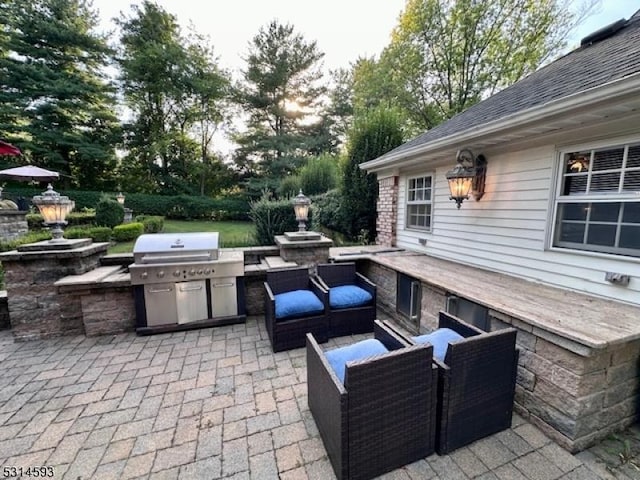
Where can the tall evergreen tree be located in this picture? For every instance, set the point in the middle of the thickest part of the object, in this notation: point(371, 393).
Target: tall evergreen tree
point(55, 101)
point(280, 92)
point(373, 134)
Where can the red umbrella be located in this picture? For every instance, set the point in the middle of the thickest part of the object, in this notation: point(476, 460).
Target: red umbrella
point(8, 149)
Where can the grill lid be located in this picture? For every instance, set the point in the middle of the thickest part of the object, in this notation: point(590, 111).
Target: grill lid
point(176, 247)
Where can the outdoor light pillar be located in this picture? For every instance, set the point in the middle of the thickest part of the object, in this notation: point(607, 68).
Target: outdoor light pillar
point(301, 208)
point(467, 177)
point(120, 198)
point(128, 213)
point(54, 209)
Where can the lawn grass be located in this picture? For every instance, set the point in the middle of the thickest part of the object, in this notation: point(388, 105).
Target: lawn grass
point(232, 234)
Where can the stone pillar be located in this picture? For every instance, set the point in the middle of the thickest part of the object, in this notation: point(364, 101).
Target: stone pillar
point(386, 222)
point(36, 309)
point(304, 252)
point(13, 224)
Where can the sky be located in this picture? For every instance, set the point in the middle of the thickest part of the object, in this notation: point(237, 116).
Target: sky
point(344, 29)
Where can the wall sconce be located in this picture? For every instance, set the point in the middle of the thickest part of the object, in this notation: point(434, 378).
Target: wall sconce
point(54, 209)
point(467, 177)
point(301, 208)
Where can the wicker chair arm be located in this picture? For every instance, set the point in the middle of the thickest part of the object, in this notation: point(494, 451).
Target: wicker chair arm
point(446, 320)
point(365, 283)
point(321, 293)
point(322, 283)
point(390, 337)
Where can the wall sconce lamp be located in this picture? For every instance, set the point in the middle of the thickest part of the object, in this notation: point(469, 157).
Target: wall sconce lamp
point(467, 177)
point(54, 209)
point(301, 208)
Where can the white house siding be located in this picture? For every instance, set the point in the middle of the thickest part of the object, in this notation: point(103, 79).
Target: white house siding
point(506, 230)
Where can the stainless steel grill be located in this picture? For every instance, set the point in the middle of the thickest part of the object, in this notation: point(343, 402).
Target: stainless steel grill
point(185, 281)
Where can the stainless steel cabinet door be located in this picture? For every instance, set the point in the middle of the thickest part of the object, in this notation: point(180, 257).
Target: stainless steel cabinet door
point(160, 304)
point(224, 297)
point(191, 298)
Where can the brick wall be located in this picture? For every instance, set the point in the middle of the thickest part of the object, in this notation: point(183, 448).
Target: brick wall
point(387, 211)
point(108, 311)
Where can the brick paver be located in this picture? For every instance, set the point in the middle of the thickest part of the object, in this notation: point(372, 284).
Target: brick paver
point(213, 403)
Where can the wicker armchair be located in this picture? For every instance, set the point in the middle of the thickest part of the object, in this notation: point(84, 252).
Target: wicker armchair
point(476, 384)
point(289, 333)
point(383, 416)
point(348, 320)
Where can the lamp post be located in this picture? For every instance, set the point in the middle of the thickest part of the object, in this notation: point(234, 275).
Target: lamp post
point(301, 208)
point(128, 213)
point(120, 198)
point(54, 209)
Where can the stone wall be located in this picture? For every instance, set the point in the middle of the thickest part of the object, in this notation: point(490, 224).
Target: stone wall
point(387, 208)
point(575, 394)
point(107, 311)
point(13, 224)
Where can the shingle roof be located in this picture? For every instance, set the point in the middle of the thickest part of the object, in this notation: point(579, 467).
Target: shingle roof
point(586, 67)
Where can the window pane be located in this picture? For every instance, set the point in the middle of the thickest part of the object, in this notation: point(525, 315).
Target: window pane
point(602, 235)
point(575, 184)
point(630, 237)
point(577, 162)
point(608, 159)
point(604, 212)
point(573, 211)
point(633, 157)
point(419, 195)
point(632, 181)
point(412, 195)
point(412, 184)
point(419, 182)
point(631, 213)
point(572, 232)
point(427, 182)
point(605, 182)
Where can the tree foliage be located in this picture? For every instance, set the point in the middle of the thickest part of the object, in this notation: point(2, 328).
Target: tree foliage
point(177, 95)
point(447, 55)
point(280, 92)
point(371, 136)
point(55, 102)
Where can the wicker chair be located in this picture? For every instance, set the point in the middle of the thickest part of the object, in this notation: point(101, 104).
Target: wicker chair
point(476, 384)
point(289, 333)
point(383, 416)
point(348, 320)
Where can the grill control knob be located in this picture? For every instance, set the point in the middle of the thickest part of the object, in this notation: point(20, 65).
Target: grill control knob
point(192, 272)
point(160, 274)
point(200, 272)
point(144, 275)
point(176, 273)
point(207, 271)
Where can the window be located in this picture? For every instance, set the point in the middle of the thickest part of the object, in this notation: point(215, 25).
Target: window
point(419, 191)
point(598, 205)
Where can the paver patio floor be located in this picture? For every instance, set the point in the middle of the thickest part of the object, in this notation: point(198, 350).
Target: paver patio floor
point(205, 404)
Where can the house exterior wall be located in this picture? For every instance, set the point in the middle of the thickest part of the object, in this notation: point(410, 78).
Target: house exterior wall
point(387, 208)
point(507, 230)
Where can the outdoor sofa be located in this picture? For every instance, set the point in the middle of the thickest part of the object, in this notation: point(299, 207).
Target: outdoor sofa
point(352, 299)
point(380, 415)
point(476, 380)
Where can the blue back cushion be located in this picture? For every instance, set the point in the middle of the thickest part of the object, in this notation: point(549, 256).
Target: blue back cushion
point(298, 303)
point(339, 357)
point(440, 339)
point(347, 296)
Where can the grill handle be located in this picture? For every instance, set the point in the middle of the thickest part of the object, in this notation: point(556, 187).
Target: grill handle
point(190, 289)
point(195, 257)
point(159, 290)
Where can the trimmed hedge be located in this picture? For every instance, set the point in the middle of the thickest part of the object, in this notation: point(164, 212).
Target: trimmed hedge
point(31, 237)
point(109, 213)
point(180, 207)
point(152, 224)
point(74, 219)
point(97, 234)
point(128, 232)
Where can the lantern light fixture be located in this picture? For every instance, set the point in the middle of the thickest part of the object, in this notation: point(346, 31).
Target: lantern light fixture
point(301, 208)
point(467, 177)
point(120, 198)
point(54, 209)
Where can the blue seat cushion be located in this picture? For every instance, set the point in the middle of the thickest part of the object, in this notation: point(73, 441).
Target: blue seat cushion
point(440, 339)
point(339, 357)
point(297, 303)
point(346, 296)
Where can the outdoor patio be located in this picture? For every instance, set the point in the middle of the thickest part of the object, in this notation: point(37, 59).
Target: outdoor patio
point(210, 403)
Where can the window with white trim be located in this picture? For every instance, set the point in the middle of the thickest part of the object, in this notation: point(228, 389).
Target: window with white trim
point(419, 202)
point(598, 202)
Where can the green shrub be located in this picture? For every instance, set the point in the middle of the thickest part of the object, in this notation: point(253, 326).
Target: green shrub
point(289, 186)
point(74, 219)
point(128, 232)
point(109, 213)
point(328, 212)
point(272, 217)
point(31, 237)
point(97, 234)
point(319, 175)
point(152, 224)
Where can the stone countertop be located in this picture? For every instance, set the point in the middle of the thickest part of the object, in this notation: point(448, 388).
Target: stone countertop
point(84, 251)
point(102, 277)
point(590, 321)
